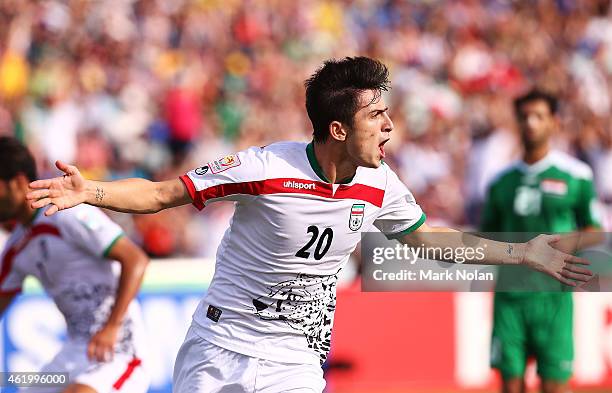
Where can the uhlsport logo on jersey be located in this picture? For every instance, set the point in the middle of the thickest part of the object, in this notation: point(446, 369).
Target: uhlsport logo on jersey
point(356, 218)
point(224, 163)
point(299, 185)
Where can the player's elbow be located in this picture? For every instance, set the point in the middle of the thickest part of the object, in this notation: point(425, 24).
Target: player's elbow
point(169, 194)
point(140, 262)
point(160, 199)
point(135, 268)
point(133, 260)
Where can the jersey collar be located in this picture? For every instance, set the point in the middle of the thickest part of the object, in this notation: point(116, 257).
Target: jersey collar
point(314, 164)
point(34, 217)
point(539, 166)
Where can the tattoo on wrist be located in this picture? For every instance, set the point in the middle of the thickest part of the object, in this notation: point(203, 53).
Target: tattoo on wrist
point(100, 194)
point(510, 248)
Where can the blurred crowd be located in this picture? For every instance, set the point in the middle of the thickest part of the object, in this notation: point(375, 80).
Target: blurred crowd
point(153, 88)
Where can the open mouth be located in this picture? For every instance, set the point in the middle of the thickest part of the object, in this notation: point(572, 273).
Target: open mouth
point(381, 148)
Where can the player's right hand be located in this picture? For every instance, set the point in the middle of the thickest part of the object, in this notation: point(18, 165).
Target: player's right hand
point(60, 192)
point(101, 346)
point(540, 255)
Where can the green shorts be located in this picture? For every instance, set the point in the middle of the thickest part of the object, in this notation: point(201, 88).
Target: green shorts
point(538, 325)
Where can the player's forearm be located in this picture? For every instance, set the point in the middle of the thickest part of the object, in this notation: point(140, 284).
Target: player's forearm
point(127, 195)
point(497, 253)
point(130, 280)
point(578, 241)
point(481, 251)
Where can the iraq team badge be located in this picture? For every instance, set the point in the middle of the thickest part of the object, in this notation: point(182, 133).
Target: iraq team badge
point(356, 218)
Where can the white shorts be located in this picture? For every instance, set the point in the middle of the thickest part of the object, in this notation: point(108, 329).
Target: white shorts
point(122, 374)
point(202, 367)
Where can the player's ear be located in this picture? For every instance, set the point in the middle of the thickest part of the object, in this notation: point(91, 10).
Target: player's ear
point(337, 131)
point(23, 180)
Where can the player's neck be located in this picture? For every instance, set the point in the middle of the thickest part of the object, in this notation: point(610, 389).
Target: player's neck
point(533, 155)
point(332, 159)
point(26, 214)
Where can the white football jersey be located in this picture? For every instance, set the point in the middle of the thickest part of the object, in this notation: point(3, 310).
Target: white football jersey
point(66, 253)
point(273, 294)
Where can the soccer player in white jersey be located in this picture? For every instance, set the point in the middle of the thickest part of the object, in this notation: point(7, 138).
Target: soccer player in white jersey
point(73, 255)
point(265, 322)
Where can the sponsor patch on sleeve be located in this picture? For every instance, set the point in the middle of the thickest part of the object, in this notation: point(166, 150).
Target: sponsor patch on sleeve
point(201, 170)
point(225, 163)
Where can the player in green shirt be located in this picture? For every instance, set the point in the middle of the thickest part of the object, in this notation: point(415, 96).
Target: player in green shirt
point(546, 191)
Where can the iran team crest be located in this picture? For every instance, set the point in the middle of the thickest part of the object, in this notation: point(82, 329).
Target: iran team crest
point(356, 218)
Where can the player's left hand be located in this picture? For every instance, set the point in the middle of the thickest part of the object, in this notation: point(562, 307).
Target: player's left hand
point(61, 192)
point(102, 344)
point(541, 256)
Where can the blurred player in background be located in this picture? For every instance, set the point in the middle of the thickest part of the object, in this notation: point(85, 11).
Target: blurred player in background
point(73, 255)
point(547, 191)
point(265, 323)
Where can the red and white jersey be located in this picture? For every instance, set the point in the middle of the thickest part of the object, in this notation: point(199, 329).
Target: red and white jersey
point(273, 294)
point(66, 253)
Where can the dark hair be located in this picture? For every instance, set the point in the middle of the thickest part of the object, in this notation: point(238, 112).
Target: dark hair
point(15, 158)
point(536, 95)
point(332, 93)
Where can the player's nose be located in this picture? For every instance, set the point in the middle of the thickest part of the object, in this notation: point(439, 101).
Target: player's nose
point(532, 121)
point(388, 124)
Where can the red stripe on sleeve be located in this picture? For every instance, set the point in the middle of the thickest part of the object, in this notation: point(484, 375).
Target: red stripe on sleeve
point(360, 192)
point(223, 190)
point(192, 191)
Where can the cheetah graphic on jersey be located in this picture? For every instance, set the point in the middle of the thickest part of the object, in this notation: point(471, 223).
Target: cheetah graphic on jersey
point(87, 308)
point(307, 304)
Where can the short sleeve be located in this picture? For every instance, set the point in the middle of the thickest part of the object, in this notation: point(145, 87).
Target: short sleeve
point(588, 213)
point(88, 228)
point(235, 177)
point(400, 214)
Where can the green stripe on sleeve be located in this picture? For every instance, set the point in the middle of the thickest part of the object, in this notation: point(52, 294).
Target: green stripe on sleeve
point(110, 246)
point(408, 230)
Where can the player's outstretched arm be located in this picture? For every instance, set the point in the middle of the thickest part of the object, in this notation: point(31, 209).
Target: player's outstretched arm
point(133, 265)
point(538, 254)
point(128, 195)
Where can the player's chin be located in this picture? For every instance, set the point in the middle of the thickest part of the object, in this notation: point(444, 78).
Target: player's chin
point(374, 162)
point(368, 160)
